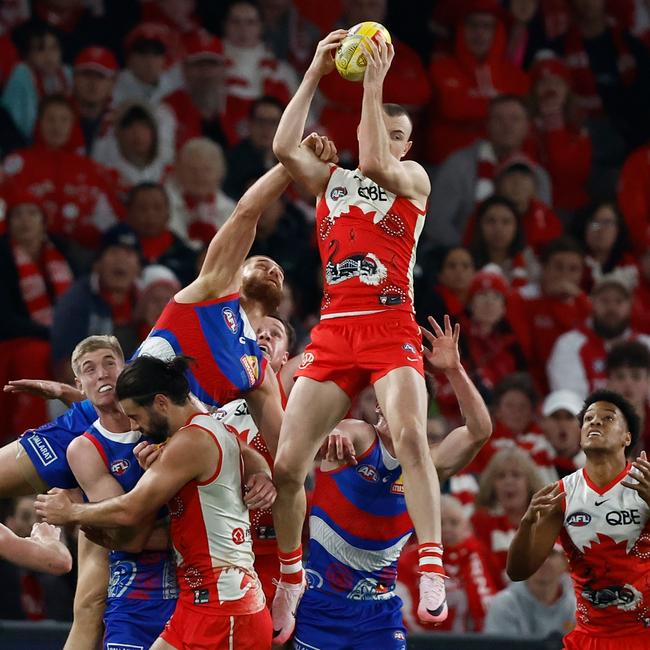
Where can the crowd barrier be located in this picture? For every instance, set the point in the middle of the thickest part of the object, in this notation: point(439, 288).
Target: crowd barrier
point(49, 635)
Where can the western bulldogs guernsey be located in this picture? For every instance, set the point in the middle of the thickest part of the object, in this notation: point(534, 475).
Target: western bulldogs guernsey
point(606, 535)
point(367, 238)
point(217, 335)
point(142, 587)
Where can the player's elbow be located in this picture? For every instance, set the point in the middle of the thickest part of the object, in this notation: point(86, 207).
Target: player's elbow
point(60, 561)
point(370, 166)
point(482, 430)
point(281, 149)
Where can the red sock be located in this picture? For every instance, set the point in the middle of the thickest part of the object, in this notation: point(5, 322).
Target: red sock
point(291, 566)
point(430, 558)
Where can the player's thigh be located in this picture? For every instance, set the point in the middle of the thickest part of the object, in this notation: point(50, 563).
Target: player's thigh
point(92, 578)
point(313, 410)
point(161, 644)
point(18, 476)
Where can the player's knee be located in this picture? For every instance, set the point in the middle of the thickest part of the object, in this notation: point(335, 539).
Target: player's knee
point(286, 476)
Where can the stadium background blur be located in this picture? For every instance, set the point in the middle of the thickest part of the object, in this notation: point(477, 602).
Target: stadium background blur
point(129, 129)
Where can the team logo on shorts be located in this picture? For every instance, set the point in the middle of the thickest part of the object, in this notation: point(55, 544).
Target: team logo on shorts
point(118, 467)
point(338, 193)
point(251, 366)
point(368, 473)
point(409, 347)
point(578, 519)
point(399, 635)
point(42, 448)
point(229, 319)
point(307, 359)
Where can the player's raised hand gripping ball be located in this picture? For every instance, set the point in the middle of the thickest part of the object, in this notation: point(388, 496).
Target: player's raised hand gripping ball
point(350, 57)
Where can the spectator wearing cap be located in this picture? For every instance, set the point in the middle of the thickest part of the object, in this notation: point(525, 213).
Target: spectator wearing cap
point(252, 69)
point(92, 91)
point(601, 229)
point(157, 286)
point(628, 373)
point(562, 430)
point(467, 177)
point(562, 141)
point(145, 78)
point(540, 312)
point(147, 212)
point(40, 73)
point(199, 206)
point(199, 107)
point(35, 274)
point(74, 191)
point(102, 302)
point(577, 361)
point(466, 81)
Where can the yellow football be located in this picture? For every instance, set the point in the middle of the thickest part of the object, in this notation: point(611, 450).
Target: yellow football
point(350, 57)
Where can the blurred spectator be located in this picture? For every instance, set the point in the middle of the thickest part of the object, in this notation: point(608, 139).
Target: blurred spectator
point(507, 485)
point(253, 71)
point(135, 149)
point(198, 205)
point(577, 361)
point(540, 607)
point(628, 373)
point(100, 303)
point(634, 195)
point(498, 239)
point(449, 294)
point(147, 212)
point(406, 83)
point(199, 107)
point(40, 73)
point(464, 83)
point(562, 430)
point(253, 156)
point(178, 15)
point(468, 565)
point(526, 31)
point(10, 137)
point(92, 91)
point(74, 191)
point(145, 78)
point(539, 313)
point(34, 274)
point(641, 301)
point(562, 142)
point(601, 229)
point(158, 285)
point(466, 177)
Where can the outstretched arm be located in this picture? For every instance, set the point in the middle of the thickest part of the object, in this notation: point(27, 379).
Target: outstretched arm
point(46, 389)
point(303, 166)
point(265, 406)
point(41, 551)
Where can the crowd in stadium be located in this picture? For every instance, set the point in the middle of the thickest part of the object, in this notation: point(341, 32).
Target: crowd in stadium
point(129, 130)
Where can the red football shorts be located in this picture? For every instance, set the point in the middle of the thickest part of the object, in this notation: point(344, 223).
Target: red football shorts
point(577, 640)
point(193, 628)
point(356, 351)
point(267, 567)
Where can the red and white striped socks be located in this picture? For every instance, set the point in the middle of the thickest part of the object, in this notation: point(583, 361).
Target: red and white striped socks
point(291, 566)
point(430, 558)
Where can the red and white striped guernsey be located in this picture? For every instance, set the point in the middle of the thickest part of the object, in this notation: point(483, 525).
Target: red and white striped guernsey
point(211, 536)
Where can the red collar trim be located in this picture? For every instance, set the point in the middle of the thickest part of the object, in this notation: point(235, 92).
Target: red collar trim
point(610, 485)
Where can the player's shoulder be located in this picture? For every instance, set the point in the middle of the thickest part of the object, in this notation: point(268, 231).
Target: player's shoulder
point(84, 453)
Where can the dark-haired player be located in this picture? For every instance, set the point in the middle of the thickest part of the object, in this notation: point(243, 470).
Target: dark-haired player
point(602, 514)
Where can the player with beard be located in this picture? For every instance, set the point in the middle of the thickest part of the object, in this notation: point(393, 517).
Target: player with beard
point(602, 515)
point(199, 476)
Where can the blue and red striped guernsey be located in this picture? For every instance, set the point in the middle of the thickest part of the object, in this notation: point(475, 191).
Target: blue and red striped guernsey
point(358, 526)
point(217, 335)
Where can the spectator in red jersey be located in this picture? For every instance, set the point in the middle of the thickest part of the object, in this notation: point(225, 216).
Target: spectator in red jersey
point(35, 273)
point(253, 156)
point(41, 73)
point(157, 286)
point(641, 298)
point(601, 229)
point(539, 313)
point(406, 84)
point(253, 71)
point(198, 205)
point(450, 293)
point(470, 570)
point(465, 82)
point(506, 487)
point(74, 191)
point(634, 195)
point(562, 430)
point(562, 142)
point(92, 91)
point(526, 32)
point(577, 361)
point(467, 176)
point(628, 373)
point(147, 212)
point(199, 107)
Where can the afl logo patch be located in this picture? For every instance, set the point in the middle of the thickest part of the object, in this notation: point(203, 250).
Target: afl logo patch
point(338, 193)
point(410, 347)
point(578, 519)
point(229, 319)
point(118, 467)
point(368, 473)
